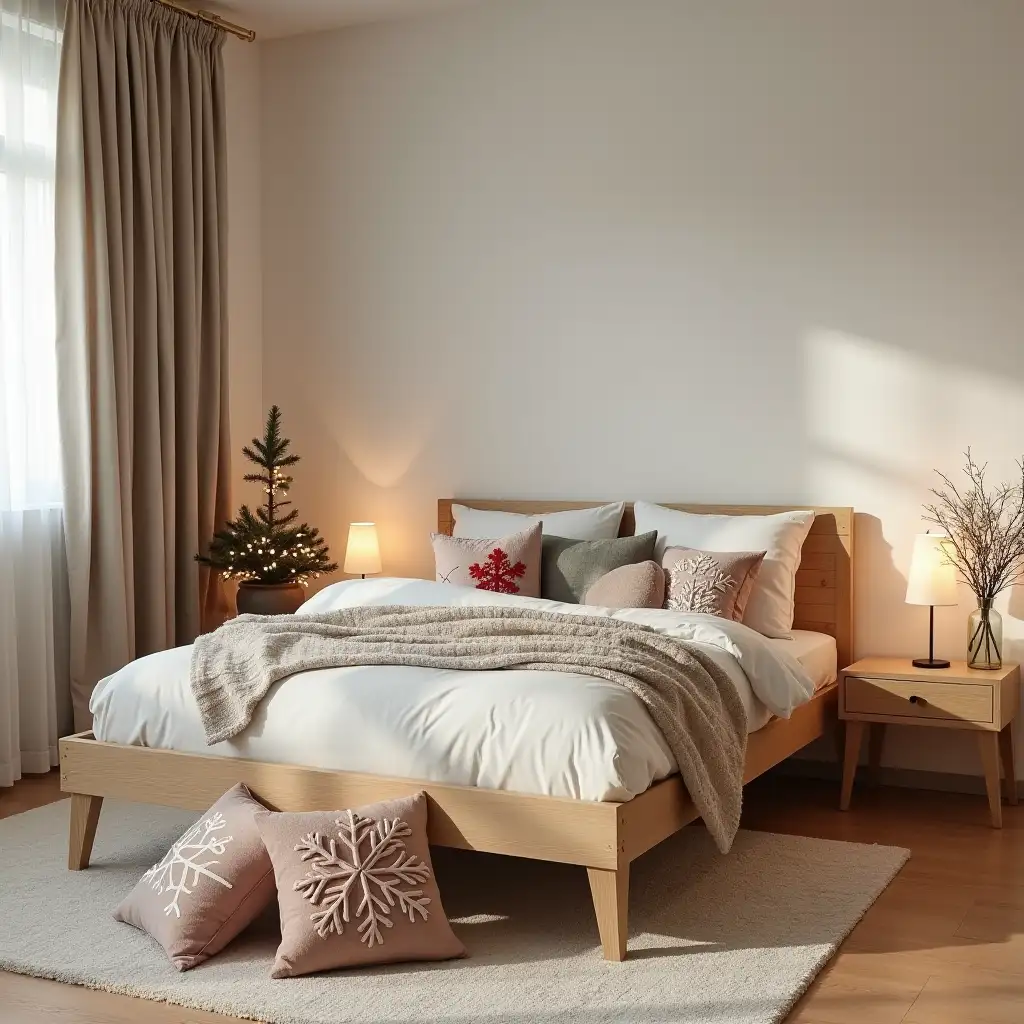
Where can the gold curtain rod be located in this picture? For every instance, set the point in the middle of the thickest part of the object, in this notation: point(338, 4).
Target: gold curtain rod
point(211, 19)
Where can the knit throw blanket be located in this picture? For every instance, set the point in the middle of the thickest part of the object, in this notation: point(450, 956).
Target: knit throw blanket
point(691, 700)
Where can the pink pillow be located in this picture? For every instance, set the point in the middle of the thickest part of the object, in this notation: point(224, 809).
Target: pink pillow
point(209, 886)
point(508, 565)
point(356, 887)
point(714, 582)
point(629, 586)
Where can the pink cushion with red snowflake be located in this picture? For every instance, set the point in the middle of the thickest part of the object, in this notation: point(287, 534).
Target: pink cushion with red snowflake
point(356, 887)
point(508, 565)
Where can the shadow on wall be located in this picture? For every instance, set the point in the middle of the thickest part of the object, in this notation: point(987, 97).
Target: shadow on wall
point(876, 580)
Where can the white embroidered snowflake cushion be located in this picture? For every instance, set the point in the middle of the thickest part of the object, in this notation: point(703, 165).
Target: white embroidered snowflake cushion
point(712, 582)
point(212, 883)
point(356, 887)
point(507, 565)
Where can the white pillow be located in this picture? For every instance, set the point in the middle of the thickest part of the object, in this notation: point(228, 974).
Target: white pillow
point(772, 601)
point(601, 523)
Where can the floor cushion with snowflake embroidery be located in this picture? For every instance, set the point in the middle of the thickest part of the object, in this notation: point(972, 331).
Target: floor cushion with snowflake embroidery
point(507, 565)
point(210, 885)
point(356, 887)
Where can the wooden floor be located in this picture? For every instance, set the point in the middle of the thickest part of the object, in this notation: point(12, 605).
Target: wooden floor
point(943, 945)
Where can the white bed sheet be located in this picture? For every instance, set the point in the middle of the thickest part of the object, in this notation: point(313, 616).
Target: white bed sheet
point(557, 734)
point(817, 653)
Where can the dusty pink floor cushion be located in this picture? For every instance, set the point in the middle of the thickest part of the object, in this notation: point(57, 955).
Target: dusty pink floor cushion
point(356, 887)
point(508, 565)
point(209, 886)
point(714, 582)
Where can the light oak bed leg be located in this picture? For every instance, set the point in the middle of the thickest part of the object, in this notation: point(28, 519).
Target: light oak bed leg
point(839, 737)
point(610, 890)
point(876, 746)
point(854, 738)
point(85, 816)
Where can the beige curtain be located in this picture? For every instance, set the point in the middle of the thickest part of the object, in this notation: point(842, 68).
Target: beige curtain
point(142, 337)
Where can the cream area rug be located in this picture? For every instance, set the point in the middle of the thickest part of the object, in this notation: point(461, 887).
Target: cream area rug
point(713, 939)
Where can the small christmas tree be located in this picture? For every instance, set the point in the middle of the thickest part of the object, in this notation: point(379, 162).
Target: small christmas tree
point(267, 547)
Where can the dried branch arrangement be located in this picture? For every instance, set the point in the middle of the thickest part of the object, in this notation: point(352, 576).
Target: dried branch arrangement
point(985, 528)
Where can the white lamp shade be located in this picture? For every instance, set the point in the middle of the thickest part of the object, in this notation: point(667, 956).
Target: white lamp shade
point(362, 556)
point(932, 578)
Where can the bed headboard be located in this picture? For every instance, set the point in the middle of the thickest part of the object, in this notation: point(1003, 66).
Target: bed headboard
point(824, 582)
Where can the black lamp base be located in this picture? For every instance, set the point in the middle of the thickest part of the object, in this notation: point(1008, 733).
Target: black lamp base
point(930, 663)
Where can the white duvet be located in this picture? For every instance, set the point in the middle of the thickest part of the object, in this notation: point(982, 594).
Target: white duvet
point(551, 733)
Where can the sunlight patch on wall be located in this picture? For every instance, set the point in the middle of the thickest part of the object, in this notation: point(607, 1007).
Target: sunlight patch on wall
point(882, 415)
point(880, 420)
point(874, 412)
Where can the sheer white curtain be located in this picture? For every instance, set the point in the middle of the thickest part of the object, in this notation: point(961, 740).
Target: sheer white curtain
point(33, 582)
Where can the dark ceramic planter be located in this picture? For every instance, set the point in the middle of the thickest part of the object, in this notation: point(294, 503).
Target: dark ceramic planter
point(269, 598)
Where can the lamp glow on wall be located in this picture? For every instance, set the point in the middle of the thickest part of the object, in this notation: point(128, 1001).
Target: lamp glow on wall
point(362, 556)
point(932, 581)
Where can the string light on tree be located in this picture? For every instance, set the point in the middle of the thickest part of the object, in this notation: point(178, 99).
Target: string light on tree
point(265, 546)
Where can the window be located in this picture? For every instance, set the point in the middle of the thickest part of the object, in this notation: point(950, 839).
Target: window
point(29, 434)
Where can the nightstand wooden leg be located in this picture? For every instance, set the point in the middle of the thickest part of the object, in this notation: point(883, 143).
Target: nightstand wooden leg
point(988, 744)
point(1009, 768)
point(854, 737)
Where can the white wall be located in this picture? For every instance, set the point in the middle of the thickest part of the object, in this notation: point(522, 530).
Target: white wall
point(245, 300)
point(749, 250)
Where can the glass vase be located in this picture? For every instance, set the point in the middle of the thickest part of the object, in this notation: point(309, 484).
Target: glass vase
point(985, 637)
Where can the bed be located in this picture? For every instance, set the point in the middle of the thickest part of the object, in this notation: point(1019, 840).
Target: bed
point(620, 799)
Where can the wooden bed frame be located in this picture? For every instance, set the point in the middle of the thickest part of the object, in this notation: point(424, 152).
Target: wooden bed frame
point(604, 837)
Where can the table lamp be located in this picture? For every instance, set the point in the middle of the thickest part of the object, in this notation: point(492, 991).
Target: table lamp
point(362, 555)
point(932, 581)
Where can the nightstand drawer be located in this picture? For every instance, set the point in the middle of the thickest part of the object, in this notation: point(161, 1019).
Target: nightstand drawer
point(902, 698)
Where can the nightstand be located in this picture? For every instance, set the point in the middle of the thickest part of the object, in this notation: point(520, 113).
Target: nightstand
point(890, 691)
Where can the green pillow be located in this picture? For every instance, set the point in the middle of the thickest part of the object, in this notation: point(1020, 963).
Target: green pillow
point(569, 567)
